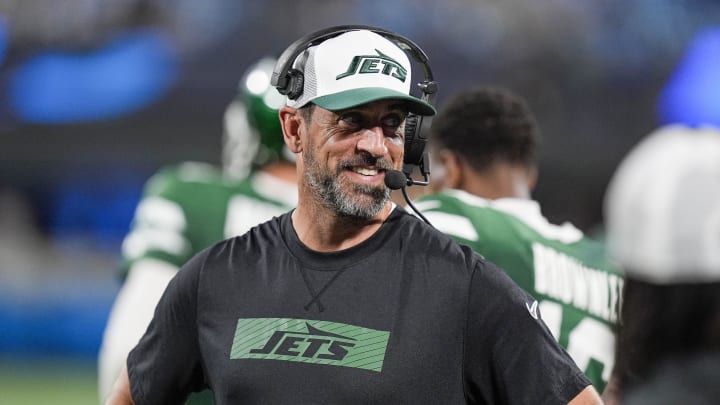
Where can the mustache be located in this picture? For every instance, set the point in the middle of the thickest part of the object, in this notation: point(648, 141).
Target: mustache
point(365, 160)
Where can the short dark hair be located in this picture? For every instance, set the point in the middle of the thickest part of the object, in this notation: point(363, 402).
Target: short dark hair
point(485, 125)
point(664, 322)
point(306, 112)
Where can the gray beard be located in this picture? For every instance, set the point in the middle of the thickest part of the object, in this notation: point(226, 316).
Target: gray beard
point(327, 188)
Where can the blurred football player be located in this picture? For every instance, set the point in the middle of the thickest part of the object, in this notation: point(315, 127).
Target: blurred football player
point(484, 146)
point(190, 206)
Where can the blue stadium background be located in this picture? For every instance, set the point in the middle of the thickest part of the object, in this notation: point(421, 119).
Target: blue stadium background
point(97, 95)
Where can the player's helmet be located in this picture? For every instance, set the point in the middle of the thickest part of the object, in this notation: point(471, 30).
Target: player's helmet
point(252, 133)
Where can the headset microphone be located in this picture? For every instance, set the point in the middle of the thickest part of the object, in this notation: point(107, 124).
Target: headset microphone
point(397, 180)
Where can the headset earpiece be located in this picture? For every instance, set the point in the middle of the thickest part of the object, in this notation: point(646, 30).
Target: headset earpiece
point(294, 87)
point(415, 138)
point(412, 121)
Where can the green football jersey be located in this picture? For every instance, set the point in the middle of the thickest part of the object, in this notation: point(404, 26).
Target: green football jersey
point(576, 285)
point(189, 207)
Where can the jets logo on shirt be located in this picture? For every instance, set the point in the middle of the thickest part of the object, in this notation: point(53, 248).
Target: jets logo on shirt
point(308, 341)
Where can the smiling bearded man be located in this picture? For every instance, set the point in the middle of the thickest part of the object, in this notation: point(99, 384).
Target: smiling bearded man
point(348, 299)
point(332, 188)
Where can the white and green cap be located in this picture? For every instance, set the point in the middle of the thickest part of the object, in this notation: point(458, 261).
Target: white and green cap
point(356, 68)
point(662, 207)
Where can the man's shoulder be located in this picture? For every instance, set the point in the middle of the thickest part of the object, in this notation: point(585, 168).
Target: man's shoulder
point(433, 240)
point(257, 241)
point(268, 231)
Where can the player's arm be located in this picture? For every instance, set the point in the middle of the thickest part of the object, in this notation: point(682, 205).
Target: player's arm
point(611, 393)
point(588, 396)
point(170, 344)
point(153, 251)
point(129, 317)
point(120, 393)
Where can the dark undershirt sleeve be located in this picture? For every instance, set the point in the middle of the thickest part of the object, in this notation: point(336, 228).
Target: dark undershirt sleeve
point(511, 357)
point(165, 365)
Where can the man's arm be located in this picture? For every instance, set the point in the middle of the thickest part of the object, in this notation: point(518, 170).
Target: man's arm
point(120, 393)
point(588, 396)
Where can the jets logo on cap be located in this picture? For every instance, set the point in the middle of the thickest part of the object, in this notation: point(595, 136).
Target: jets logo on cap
point(379, 63)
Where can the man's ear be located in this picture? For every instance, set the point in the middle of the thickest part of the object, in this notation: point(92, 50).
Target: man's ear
point(532, 177)
point(453, 168)
point(292, 124)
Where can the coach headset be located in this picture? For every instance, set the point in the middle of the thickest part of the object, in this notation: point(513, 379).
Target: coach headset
point(289, 82)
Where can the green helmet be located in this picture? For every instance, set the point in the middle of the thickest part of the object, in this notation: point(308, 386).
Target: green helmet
point(252, 133)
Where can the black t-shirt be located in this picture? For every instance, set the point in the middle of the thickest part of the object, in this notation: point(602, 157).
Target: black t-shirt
point(406, 317)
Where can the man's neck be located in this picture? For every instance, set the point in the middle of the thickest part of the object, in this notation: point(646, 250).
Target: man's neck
point(324, 230)
point(500, 181)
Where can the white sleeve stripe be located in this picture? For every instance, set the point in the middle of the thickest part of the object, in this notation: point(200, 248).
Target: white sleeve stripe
point(454, 225)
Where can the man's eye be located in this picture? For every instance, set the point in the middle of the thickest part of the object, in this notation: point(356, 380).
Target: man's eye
point(392, 121)
point(391, 125)
point(352, 119)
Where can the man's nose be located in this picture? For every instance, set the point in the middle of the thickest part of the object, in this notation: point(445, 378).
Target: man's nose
point(372, 141)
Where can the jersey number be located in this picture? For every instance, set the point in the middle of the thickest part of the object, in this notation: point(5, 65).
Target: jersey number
point(590, 339)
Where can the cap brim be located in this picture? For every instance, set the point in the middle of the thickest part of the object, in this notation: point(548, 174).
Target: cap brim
point(355, 97)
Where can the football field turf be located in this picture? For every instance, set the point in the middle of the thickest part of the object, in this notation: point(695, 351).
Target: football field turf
point(48, 381)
